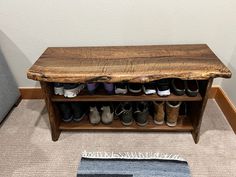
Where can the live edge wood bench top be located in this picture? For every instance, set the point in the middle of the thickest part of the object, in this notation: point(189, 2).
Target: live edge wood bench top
point(127, 63)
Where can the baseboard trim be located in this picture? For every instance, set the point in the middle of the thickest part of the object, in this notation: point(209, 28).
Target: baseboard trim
point(226, 107)
point(31, 93)
point(215, 93)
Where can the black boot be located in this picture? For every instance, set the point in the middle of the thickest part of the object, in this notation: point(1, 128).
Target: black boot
point(78, 110)
point(66, 112)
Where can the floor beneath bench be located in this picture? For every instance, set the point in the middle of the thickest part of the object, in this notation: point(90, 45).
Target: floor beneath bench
point(27, 150)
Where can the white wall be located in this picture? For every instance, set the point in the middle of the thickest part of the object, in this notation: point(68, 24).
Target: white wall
point(27, 27)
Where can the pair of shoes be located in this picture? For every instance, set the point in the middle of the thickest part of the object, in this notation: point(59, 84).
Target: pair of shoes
point(106, 117)
point(172, 112)
point(180, 87)
point(68, 90)
point(161, 87)
point(122, 88)
point(128, 112)
point(92, 87)
point(147, 88)
point(72, 111)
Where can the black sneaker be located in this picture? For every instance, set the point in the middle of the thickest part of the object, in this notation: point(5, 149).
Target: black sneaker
point(141, 113)
point(135, 87)
point(124, 111)
point(121, 88)
point(78, 110)
point(163, 87)
point(149, 88)
point(192, 88)
point(58, 88)
point(71, 90)
point(66, 112)
point(178, 86)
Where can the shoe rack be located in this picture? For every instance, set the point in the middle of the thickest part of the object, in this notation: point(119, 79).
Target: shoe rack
point(138, 64)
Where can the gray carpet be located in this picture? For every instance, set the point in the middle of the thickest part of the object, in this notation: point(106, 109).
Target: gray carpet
point(27, 150)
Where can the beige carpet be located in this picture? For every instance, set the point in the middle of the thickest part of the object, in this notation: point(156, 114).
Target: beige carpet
point(26, 148)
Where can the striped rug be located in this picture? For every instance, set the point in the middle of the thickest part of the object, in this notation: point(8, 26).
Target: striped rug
point(132, 164)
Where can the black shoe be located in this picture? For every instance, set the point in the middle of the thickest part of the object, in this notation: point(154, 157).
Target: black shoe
point(66, 111)
point(163, 87)
point(72, 90)
point(58, 88)
point(141, 113)
point(135, 87)
point(178, 86)
point(124, 111)
point(78, 110)
point(149, 88)
point(121, 88)
point(192, 88)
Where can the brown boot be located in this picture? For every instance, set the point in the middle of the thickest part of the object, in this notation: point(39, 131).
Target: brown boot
point(159, 113)
point(172, 112)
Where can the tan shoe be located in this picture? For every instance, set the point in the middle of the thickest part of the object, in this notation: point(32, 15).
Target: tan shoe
point(107, 114)
point(159, 113)
point(172, 112)
point(94, 116)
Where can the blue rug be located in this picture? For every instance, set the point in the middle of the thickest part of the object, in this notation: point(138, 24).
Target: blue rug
point(101, 164)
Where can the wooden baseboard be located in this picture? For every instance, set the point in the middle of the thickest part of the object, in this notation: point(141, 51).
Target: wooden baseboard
point(31, 93)
point(226, 107)
point(215, 93)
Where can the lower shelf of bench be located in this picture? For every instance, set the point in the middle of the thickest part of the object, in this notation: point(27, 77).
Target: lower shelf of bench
point(183, 125)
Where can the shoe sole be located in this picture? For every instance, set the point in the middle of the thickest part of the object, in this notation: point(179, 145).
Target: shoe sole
point(79, 119)
point(121, 91)
point(95, 123)
point(107, 123)
point(171, 124)
point(69, 120)
point(142, 125)
point(149, 92)
point(158, 123)
point(163, 93)
point(135, 91)
point(127, 124)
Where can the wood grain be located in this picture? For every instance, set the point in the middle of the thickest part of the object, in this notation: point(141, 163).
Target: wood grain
point(127, 63)
point(184, 124)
